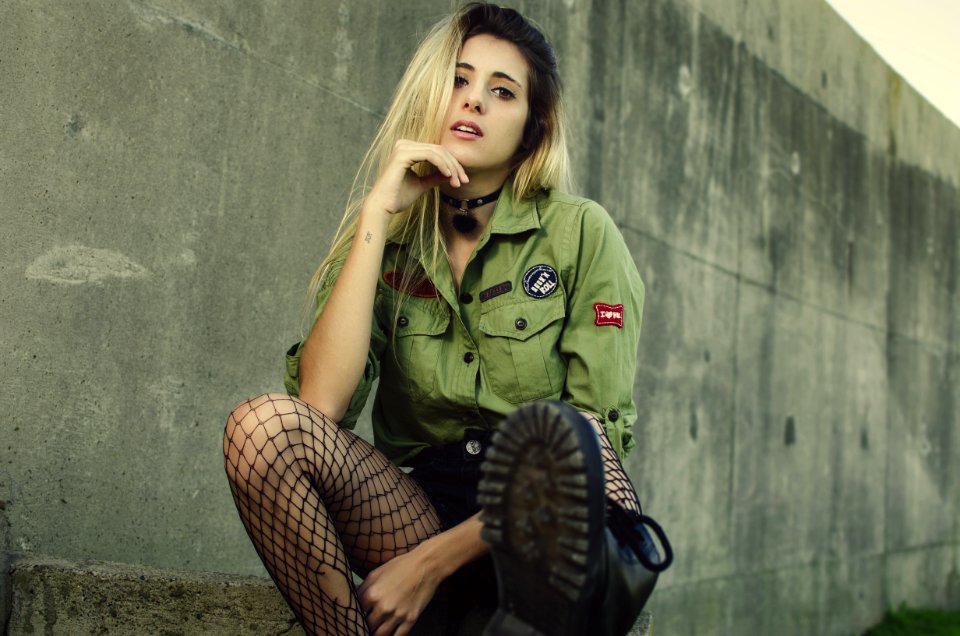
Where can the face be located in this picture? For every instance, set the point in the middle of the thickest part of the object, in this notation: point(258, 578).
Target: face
point(488, 109)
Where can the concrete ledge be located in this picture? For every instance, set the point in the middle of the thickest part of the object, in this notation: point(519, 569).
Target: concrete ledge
point(55, 597)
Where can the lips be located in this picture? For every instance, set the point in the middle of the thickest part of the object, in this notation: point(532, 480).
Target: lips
point(466, 129)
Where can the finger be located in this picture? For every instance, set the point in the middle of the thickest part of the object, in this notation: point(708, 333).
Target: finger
point(375, 619)
point(464, 178)
point(387, 627)
point(363, 596)
point(444, 157)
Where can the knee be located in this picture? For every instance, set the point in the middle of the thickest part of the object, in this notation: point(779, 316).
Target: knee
point(250, 426)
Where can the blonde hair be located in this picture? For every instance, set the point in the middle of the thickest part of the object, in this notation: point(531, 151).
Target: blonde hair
point(417, 113)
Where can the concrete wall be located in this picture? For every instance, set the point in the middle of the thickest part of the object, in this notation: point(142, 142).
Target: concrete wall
point(171, 170)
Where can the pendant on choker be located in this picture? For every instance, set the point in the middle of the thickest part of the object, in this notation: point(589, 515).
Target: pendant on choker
point(463, 220)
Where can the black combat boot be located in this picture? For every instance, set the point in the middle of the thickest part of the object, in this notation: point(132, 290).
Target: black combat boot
point(567, 562)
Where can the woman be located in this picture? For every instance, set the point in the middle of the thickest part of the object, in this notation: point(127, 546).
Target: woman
point(468, 283)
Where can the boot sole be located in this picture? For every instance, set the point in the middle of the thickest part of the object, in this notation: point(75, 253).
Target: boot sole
point(543, 516)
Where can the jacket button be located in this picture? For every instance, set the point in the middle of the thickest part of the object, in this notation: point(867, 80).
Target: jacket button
point(468, 357)
point(466, 298)
point(520, 324)
point(403, 321)
point(613, 415)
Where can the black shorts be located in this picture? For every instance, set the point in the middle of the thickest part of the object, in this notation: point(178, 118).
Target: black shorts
point(449, 475)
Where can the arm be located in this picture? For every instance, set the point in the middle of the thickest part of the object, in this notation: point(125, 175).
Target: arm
point(395, 594)
point(602, 333)
point(335, 352)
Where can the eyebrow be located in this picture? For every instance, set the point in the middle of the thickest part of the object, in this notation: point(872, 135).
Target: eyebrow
point(500, 74)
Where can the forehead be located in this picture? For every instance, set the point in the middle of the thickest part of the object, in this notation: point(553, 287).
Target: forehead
point(488, 54)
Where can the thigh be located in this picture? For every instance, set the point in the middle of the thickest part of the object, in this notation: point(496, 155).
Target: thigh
point(378, 510)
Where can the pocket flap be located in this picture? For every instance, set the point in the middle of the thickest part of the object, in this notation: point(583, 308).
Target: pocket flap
point(415, 319)
point(522, 320)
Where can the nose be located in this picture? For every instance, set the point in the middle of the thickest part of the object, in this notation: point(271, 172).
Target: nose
point(474, 102)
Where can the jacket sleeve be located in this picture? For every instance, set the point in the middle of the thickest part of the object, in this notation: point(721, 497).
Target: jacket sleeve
point(371, 371)
point(602, 332)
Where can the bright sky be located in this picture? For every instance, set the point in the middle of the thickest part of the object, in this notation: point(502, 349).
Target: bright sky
point(920, 39)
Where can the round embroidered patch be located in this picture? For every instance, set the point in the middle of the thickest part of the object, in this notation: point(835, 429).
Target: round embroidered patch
point(540, 281)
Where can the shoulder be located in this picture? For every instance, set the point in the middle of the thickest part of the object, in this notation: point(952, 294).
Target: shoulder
point(560, 207)
point(579, 219)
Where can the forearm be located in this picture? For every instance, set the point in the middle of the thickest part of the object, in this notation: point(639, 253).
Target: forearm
point(335, 352)
point(449, 551)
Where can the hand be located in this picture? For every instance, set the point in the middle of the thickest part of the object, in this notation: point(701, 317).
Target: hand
point(398, 186)
point(394, 595)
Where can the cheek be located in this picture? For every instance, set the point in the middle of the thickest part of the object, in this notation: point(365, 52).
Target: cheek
point(519, 125)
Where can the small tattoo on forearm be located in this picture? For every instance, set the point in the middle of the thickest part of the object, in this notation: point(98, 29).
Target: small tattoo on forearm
point(368, 237)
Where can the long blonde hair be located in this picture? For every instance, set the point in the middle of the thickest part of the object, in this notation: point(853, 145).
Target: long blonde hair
point(417, 113)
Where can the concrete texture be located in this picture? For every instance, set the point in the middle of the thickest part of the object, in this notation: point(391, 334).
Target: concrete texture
point(58, 597)
point(171, 171)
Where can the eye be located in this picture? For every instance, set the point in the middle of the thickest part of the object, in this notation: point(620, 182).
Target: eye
point(459, 81)
point(503, 92)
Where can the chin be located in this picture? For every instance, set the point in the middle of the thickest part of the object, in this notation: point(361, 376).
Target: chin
point(466, 158)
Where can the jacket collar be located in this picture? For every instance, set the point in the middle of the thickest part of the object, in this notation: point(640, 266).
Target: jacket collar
point(512, 216)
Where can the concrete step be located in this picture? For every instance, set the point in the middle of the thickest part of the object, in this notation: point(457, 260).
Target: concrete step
point(55, 597)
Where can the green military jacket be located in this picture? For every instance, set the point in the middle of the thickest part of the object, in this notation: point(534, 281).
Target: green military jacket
point(549, 308)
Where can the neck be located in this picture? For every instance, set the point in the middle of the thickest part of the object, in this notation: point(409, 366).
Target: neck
point(466, 211)
point(481, 183)
point(480, 213)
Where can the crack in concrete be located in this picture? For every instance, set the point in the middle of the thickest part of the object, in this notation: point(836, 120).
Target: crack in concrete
point(151, 14)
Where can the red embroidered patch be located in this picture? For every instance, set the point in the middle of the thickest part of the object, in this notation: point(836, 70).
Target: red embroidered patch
point(423, 289)
point(608, 314)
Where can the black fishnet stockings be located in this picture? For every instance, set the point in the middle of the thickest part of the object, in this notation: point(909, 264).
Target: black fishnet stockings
point(619, 488)
point(317, 501)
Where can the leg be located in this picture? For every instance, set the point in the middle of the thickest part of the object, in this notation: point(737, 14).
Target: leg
point(543, 514)
point(317, 501)
point(619, 488)
point(566, 562)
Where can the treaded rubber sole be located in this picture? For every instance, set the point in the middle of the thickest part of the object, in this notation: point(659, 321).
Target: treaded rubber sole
point(543, 516)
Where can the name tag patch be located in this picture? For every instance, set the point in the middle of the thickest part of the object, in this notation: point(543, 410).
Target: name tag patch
point(497, 290)
point(540, 281)
point(608, 314)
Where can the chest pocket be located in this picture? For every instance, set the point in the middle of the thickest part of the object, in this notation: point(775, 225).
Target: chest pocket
point(410, 367)
point(518, 350)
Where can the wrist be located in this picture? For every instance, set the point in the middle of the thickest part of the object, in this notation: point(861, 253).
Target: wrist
point(374, 209)
point(435, 558)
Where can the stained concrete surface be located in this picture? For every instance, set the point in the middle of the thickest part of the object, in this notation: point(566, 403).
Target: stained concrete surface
point(64, 598)
point(57, 597)
point(171, 172)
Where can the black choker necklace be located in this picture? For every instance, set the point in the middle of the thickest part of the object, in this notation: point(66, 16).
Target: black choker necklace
point(463, 221)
